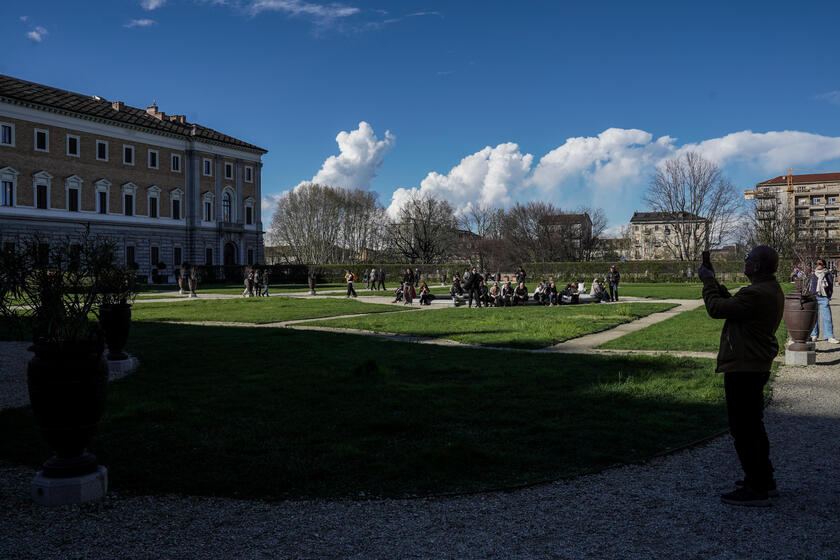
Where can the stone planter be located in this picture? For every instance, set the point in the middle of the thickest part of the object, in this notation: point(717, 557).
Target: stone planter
point(67, 391)
point(800, 316)
point(116, 322)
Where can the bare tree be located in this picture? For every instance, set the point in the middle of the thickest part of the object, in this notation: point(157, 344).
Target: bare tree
point(767, 223)
point(425, 229)
point(318, 224)
point(591, 244)
point(686, 188)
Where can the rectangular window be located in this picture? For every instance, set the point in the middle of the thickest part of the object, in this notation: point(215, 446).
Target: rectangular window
point(176, 163)
point(250, 256)
point(176, 256)
point(103, 202)
point(153, 159)
point(207, 167)
point(73, 200)
point(129, 204)
point(228, 171)
point(155, 258)
point(129, 255)
point(249, 174)
point(816, 200)
point(208, 211)
point(7, 134)
point(208, 256)
point(176, 209)
point(42, 140)
point(249, 215)
point(41, 197)
point(128, 155)
point(153, 207)
point(72, 145)
point(7, 194)
point(102, 150)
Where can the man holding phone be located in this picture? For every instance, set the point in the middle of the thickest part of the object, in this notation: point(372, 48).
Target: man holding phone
point(747, 349)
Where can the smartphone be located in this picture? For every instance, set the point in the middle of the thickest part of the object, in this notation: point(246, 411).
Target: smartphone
point(707, 260)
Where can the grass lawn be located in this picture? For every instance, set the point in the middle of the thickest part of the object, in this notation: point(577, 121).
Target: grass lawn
point(690, 331)
point(278, 413)
point(253, 310)
point(516, 327)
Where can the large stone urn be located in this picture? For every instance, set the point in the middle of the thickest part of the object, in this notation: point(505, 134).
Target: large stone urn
point(800, 316)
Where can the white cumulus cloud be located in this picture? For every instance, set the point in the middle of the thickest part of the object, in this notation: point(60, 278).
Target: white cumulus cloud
point(610, 170)
point(38, 34)
point(140, 23)
point(361, 153)
point(152, 4)
point(771, 152)
point(486, 177)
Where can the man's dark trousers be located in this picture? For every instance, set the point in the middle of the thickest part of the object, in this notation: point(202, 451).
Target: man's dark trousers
point(473, 293)
point(613, 291)
point(745, 407)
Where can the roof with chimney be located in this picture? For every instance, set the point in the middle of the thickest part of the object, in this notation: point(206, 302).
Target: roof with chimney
point(641, 217)
point(802, 179)
point(94, 107)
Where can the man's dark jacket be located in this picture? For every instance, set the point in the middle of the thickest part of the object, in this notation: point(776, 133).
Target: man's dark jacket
point(613, 276)
point(748, 340)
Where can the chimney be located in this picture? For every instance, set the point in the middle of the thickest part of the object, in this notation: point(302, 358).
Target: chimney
point(153, 111)
point(117, 105)
point(178, 118)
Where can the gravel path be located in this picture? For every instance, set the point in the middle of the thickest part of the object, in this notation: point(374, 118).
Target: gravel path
point(665, 508)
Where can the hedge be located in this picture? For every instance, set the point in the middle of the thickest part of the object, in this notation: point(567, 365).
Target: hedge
point(631, 271)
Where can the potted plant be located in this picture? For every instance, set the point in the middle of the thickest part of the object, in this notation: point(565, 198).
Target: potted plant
point(49, 292)
point(117, 290)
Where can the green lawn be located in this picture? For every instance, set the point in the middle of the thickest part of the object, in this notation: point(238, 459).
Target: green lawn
point(690, 331)
point(278, 413)
point(516, 327)
point(253, 310)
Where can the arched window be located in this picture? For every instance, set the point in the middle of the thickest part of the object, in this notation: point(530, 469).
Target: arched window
point(227, 205)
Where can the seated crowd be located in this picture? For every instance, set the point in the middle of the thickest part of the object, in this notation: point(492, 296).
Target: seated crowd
point(503, 293)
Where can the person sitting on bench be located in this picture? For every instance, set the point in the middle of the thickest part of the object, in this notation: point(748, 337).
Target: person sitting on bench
point(507, 293)
point(496, 295)
point(457, 292)
point(426, 295)
point(520, 294)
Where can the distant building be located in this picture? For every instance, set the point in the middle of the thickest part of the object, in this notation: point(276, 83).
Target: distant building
point(164, 189)
point(654, 235)
point(811, 201)
point(613, 249)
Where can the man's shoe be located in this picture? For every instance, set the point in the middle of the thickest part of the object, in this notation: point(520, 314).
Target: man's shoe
point(772, 491)
point(833, 340)
point(744, 496)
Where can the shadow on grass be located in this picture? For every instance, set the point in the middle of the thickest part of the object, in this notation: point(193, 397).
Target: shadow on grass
point(277, 413)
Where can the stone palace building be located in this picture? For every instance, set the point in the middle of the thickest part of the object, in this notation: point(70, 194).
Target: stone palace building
point(165, 189)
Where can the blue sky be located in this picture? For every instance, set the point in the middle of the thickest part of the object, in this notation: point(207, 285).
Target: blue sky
point(483, 102)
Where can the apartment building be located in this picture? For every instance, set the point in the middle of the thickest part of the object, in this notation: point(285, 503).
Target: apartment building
point(655, 235)
point(811, 201)
point(166, 190)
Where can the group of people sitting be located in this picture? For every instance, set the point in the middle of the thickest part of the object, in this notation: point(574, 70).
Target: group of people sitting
point(256, 281)
point(474, 287)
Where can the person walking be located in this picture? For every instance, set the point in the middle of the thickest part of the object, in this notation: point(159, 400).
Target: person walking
point(366, 278)
point(266, 278)
point(822, 285)
point(380, 277)
point(747, 349)
point(350, 277)
point(613, 278)
point(408, 286)
point(473, 284)
point(372, 279)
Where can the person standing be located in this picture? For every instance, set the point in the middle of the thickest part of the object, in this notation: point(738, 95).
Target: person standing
point(613, 278)
point(408, 286)
point(520, 275)
point(822, 285)
point(473, 284)
point(351, 278)
point(380, 277)
point(366, 278)
point(747, 349)
point(266, 278)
